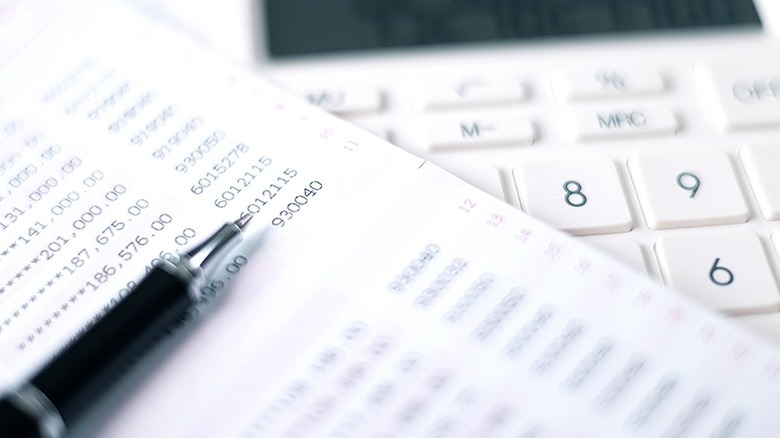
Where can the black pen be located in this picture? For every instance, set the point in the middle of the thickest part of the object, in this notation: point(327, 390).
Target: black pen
point(50, 401)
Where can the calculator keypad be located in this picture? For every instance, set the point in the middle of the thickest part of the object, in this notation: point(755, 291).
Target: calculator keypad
point(669, 163)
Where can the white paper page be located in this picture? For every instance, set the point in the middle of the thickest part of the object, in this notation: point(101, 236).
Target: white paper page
point(394, 301)
point(22, 20)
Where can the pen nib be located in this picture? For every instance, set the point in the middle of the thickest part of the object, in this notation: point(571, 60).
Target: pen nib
point(242, 222)
point(208, 254)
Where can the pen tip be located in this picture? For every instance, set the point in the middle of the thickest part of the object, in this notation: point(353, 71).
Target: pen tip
point(242, 222)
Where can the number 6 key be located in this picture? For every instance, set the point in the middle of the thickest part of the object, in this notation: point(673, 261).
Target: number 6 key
point(726, 271)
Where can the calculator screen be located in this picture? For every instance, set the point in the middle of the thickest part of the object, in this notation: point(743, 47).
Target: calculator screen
point(297, 27)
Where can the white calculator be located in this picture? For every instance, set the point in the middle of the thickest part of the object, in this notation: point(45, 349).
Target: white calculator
point(649, 128)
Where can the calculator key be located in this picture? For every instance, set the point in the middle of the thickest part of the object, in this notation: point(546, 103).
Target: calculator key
point(346, 100)
point(606, 84)
point(766, 326)
point(484, 176)
point(472, 91)
point(620, 123)
point(740, 96)
point(761, 163)
point(580, 195)
point(687, 188)
point(727, 271)
point(625, 250)
point(375, 127)
point(776, 241)
point(477, 131)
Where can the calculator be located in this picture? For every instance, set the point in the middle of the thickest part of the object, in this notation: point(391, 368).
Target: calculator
point(648, 128)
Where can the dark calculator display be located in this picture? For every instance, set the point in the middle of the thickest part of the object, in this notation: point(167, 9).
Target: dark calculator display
point(297, 27)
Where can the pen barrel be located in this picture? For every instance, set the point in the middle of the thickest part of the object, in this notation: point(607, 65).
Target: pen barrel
point(86, 368)
point(15, 423)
